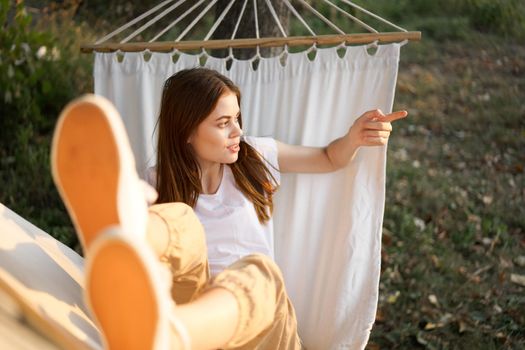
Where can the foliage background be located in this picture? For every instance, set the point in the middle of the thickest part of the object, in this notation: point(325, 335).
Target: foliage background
point(454, 229)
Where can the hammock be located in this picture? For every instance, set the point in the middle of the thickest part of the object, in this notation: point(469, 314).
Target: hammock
point(46, 279)
point(327, 227)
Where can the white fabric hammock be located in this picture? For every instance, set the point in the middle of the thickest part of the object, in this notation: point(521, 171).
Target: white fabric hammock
point(327, 227)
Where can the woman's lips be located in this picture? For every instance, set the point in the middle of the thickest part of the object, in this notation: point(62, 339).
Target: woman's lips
point(234, 148)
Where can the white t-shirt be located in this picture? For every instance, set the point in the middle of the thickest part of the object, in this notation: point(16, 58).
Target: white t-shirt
point(229, 218)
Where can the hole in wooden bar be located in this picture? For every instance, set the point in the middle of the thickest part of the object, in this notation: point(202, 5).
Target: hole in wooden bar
point(229, 63)
point(255, 64)
point(120, 57)
point(312, 54)
point(341, 52)
point(372, 49)
point(202, 60)
point(283, 59)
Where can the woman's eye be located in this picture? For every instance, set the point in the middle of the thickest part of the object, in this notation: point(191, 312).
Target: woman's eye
point(228, 122)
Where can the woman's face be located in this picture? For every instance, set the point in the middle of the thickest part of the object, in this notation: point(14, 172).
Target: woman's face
point(216, 139)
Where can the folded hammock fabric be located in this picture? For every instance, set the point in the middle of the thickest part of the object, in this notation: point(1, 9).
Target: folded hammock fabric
point(45, 278)
point(327, 227)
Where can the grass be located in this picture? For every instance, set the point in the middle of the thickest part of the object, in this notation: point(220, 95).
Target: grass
point(455, 214)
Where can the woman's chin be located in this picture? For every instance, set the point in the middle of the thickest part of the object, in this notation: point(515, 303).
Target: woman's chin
point(231, 159)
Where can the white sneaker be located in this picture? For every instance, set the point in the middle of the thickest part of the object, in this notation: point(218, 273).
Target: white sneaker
point(94, 170)
point(131, 303)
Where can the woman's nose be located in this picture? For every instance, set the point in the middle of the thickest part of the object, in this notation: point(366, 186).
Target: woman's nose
point(236, 131)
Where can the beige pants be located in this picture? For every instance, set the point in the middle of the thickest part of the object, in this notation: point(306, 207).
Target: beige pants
point(267, 317)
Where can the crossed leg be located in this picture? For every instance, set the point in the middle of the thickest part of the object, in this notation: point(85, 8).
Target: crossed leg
point(245, 306)
point(265, 318)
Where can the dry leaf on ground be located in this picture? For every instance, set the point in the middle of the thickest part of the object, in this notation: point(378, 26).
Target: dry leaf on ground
point(518, 279)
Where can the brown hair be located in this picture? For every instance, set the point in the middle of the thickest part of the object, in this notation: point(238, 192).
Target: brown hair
point(188, 97)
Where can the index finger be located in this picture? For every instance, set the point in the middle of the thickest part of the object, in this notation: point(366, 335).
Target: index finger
point(394, 116)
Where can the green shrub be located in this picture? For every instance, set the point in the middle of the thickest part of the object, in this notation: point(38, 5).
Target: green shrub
point(452, 19)
point(40, 71)
point(505, 17)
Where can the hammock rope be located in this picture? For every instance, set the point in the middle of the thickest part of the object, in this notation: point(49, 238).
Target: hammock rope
point(196, 20)
point(136, 20)
point(323, 18)
point(219, 20)
point(152, 21)
point(294, 11)
point(239, 20)
point(276, 18)
point(373, 15)
point(286, 39)
point(176, 21)
point(353, 18)
point(256, 16)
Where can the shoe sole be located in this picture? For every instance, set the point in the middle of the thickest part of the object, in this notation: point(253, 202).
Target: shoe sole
point(86, 173)
point(124, 295)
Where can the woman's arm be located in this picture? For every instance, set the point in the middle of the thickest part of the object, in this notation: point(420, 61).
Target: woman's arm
point(371, 129)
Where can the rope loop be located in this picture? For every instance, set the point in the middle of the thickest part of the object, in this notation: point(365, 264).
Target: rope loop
point(203, 53)
point(119, 55)
point(341, 46)
point(175, 55)
point(147, 55)
point(285, 51)
point(374, 44)
point(230, 53)
point(312, 48)
point(257, 54)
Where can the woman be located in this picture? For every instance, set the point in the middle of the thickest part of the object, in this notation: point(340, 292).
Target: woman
point(228, 180)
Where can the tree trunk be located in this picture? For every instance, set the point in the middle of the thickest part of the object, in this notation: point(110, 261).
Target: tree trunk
point(267, 25)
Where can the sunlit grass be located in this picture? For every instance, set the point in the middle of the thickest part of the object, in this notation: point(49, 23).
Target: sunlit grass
point(455, 215)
